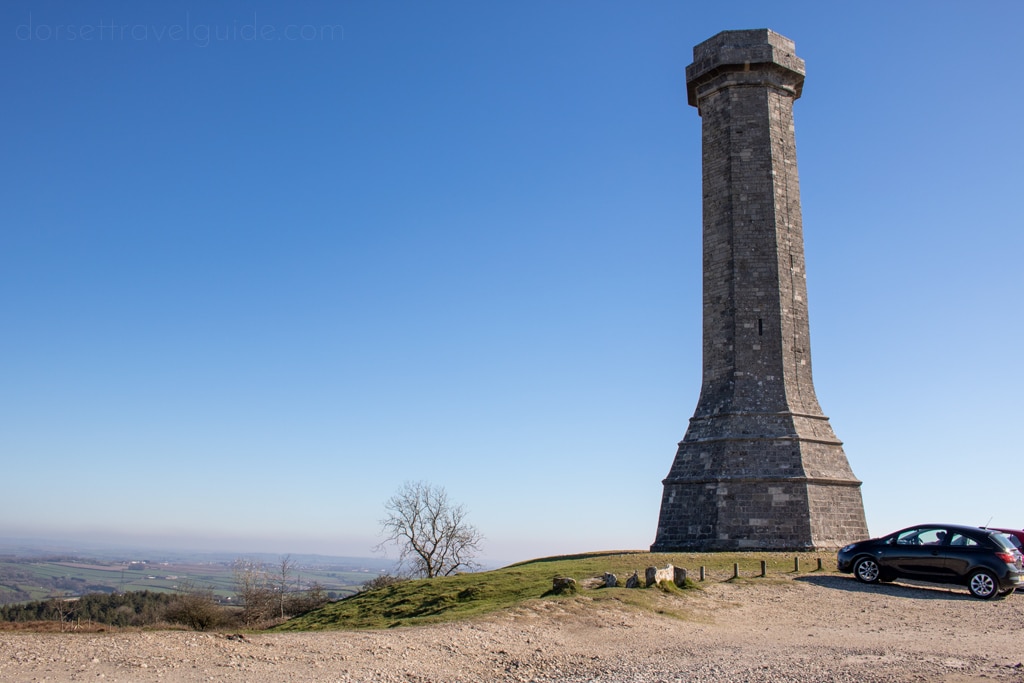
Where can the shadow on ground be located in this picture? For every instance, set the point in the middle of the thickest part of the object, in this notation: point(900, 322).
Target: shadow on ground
point(903, 589)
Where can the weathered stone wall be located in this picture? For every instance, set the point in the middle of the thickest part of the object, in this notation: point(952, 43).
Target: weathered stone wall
point(759, 466)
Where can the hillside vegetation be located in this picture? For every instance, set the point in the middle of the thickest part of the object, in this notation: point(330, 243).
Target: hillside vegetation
point(441, 599)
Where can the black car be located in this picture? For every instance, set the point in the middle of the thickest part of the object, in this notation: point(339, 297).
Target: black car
point(981, 559)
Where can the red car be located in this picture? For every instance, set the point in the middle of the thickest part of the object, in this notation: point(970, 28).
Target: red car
point(1016, 537)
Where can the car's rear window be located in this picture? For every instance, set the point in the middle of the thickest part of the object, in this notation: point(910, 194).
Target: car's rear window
point(1002, 540)
point(1014, 541)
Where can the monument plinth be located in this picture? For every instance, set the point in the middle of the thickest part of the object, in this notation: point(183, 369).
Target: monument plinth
point(759, 467)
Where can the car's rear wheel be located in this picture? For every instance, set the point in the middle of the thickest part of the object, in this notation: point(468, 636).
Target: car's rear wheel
point(983, 584)
point(867, 570)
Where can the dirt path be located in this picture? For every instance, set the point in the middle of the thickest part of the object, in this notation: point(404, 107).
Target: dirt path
point(812, 628)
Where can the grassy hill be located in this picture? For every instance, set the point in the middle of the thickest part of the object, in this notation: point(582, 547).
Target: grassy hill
point(427, 601)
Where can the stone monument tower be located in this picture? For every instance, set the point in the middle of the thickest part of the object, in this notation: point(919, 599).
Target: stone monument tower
point(759, 467)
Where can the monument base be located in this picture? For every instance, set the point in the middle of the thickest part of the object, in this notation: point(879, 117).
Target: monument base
point(795, 514)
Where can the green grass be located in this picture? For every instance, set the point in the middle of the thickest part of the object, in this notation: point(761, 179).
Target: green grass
point(426, 601)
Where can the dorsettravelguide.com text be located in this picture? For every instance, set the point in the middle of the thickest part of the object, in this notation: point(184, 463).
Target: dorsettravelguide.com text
point(200, 34)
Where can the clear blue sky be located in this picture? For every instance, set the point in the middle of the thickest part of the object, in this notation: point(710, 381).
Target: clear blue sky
point(259, 265)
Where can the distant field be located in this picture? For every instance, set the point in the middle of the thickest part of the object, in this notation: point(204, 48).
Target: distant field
point(26, 579)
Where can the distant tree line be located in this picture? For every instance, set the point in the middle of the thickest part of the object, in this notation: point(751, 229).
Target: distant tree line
point(135, 608)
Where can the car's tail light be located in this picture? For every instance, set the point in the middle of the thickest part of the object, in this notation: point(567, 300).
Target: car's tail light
point(1008, 558)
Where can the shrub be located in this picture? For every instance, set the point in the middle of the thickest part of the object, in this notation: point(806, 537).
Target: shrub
point(196, 609)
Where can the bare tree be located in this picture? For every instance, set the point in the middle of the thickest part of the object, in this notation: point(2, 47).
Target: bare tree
point(270, 594)
point(256, 591)
point(284, 573)
point(431, 532)
point(63, 610)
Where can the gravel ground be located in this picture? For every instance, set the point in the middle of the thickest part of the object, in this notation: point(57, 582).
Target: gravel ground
point(812, 628)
